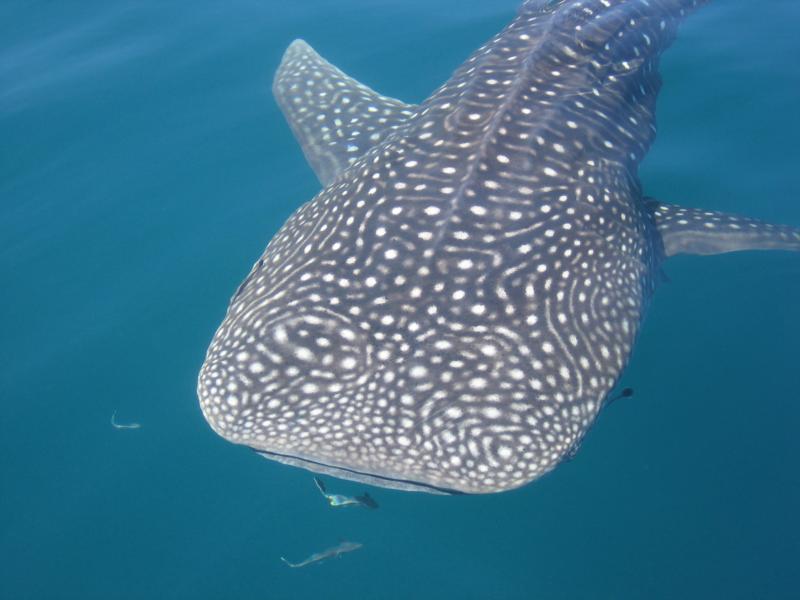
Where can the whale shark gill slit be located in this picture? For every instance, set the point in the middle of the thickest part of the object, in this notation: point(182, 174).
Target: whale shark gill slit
point(361, 477)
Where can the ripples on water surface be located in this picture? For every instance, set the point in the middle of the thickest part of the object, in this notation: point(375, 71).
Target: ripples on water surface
point(143, 168)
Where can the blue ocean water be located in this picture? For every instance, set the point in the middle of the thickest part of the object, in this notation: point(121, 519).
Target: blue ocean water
point(143, 168)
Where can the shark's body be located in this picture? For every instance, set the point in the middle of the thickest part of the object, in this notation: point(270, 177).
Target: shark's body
point(334, 552)
point(453, 309)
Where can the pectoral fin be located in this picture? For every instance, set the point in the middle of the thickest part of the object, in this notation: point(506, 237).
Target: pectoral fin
point(335, 118)
point(694, 231)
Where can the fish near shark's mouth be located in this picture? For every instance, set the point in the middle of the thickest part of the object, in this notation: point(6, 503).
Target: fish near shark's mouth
point(373, 479)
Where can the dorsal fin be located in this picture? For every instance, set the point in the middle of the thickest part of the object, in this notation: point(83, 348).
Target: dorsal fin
point(335, 118)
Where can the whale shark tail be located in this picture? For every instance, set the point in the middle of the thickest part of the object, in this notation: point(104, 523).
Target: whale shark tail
point(695, 231)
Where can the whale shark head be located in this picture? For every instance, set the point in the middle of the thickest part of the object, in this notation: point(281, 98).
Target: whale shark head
point(371, 371)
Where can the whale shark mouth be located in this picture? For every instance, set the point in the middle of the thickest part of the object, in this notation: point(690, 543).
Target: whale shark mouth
point(358, 476)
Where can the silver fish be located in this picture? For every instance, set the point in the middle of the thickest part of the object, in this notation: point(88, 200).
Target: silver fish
point(334, 552)
point(339, 500)
point(117, 425)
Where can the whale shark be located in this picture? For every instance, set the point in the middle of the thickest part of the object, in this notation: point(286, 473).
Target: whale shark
point(455, 307)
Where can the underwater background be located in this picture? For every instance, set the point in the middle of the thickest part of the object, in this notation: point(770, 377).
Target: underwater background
point(144, 166)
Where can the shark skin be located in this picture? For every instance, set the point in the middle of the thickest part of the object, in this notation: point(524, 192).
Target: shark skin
point(454, 308)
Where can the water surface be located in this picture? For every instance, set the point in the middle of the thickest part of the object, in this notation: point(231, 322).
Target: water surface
point(143, 168)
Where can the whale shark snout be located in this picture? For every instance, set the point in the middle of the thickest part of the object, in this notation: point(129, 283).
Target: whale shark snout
point(312, 388)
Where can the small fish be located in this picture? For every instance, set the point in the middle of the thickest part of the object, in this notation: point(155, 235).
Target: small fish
point(334, 552)
point(625, 393)
point(117, 425)
point(336, 500)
